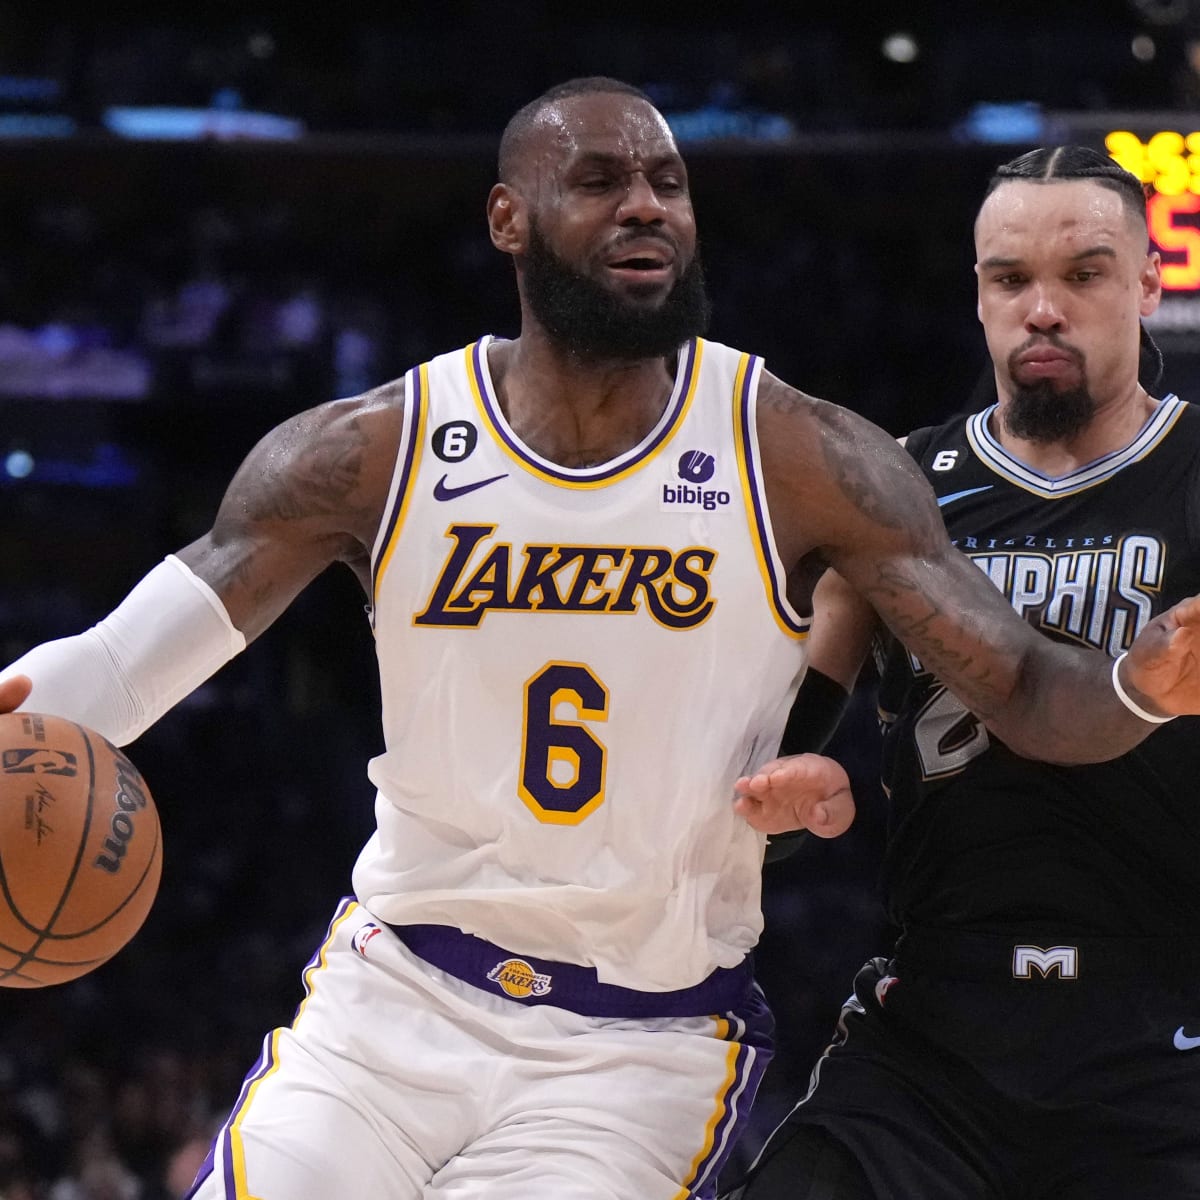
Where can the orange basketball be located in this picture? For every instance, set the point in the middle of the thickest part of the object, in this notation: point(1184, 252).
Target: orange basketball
point(80, 850)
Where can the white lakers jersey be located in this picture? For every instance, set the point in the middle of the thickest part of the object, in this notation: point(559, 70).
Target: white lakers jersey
point(576, 664)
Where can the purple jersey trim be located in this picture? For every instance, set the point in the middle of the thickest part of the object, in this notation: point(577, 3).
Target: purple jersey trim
point(756, 493)
point(414, 403)
point(620, 466)
point(567, 985)
point(753, 1029)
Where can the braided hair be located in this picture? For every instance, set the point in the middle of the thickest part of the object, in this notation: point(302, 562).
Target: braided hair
point(1051, 164)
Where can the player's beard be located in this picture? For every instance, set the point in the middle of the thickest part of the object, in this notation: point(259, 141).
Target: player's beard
point(596, 324)
point(1044, 412)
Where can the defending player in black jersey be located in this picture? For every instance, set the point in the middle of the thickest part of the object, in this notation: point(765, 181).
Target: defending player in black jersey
point(1036, 1032)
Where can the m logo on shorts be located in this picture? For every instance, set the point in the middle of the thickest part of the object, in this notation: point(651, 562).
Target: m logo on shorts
point(1063, 959)
point(518, 979)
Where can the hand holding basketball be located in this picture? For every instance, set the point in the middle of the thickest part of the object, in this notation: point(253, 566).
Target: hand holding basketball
point(80, 848)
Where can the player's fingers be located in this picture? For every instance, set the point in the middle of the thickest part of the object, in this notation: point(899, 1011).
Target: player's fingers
point(752, 812)
point(832, 817)
point(807, 769)
point(13, 692)
point(1187, 612)
point(753, 785)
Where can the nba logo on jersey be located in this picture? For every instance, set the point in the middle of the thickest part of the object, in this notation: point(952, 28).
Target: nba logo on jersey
point(685, 491)
point(362, 936)
point(518, 979)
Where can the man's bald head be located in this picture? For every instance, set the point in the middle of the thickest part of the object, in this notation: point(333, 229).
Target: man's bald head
point(517, 132)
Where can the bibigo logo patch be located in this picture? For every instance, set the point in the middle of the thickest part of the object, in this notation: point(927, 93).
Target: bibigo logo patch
point(518, 979)
point(686, 492)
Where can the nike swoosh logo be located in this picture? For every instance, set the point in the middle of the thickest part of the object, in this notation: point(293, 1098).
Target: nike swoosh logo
point(442, 491)
point(1183, 1042)
point(943, 500)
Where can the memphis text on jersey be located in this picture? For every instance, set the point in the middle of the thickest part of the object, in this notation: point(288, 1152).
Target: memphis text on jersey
point(482, 575)
point(1100, 593)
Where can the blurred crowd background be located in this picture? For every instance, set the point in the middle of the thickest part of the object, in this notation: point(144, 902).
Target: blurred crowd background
point(207, 225)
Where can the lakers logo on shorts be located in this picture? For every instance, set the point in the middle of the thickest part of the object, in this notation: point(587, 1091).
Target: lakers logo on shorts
point(518, 979)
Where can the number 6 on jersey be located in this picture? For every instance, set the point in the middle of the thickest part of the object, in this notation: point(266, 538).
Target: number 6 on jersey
point(562, 764)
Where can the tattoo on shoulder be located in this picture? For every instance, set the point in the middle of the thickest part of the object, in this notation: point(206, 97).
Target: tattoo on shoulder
point(854, 468)
point(871, 473)
point(321, 470)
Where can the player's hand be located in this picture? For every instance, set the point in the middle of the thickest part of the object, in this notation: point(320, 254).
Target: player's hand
point(804, 791)
point(13, 692)
point(1162, 670)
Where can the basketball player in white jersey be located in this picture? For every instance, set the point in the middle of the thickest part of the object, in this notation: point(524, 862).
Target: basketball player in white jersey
point(588, 554)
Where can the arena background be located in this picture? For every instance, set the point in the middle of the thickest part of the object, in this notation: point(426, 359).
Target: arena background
point(207, 226)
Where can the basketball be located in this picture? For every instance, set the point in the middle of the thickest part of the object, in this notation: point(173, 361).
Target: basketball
point(80, 850)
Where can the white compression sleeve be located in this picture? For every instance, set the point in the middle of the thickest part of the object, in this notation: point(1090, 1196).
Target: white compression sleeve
point(161, 642)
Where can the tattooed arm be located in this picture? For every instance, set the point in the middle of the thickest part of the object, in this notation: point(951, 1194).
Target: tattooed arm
point(840, 490)
point(309, 494)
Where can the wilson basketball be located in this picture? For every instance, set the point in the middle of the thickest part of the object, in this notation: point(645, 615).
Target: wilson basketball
point(80, 850)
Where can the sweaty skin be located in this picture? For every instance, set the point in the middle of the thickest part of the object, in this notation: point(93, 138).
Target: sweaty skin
point(598, 172)
point(602, 178)
point(1064, 279)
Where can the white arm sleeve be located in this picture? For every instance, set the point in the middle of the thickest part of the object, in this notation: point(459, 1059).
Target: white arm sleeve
point(160, 643)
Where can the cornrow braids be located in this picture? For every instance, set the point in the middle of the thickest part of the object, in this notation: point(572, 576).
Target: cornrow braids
point(1052, 164)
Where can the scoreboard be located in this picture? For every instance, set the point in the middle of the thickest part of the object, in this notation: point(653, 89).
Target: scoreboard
point(1168, 163)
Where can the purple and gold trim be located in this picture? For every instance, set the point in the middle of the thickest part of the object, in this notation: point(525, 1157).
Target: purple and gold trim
point(748, 1032)
point(228, 1147)
point(745, 389)
point(475, 960)
point(686, 376)
point(412, 436)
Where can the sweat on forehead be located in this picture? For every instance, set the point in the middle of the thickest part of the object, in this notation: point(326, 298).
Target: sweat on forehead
point(1075, 201)
point(1051, 165)
point(550, 111)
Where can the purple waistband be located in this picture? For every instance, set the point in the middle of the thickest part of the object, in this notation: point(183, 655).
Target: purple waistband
point(530, 980)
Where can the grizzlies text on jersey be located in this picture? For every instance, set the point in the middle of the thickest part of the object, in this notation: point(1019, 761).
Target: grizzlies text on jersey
point(1089, 557)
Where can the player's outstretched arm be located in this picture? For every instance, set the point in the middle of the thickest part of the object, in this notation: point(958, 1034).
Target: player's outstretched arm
point(840, 488)
point(310, 493)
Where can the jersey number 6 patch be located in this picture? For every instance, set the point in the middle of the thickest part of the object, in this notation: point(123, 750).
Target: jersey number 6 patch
point(562, 762)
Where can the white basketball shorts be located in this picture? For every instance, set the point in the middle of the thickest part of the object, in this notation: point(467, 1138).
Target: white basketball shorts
point(398, 1080)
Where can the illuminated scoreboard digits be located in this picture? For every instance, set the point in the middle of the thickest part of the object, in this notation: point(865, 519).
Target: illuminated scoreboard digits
point(1170, 163)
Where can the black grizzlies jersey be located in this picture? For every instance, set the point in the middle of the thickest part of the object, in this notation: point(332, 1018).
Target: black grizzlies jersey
point(983, 838)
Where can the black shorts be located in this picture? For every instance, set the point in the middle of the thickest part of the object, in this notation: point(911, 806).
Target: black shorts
point(974, 1068)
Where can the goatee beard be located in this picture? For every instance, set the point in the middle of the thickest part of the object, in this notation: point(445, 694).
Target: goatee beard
point(1041, 413)
point(597, 324)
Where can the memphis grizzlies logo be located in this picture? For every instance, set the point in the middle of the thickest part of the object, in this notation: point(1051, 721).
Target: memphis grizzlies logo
point(1063, 959)
point(518, 979)
point(686, 491)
